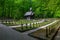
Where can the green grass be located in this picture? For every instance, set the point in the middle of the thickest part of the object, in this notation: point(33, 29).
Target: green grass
point(18, 22)
point(26, 28)
point(21, 21)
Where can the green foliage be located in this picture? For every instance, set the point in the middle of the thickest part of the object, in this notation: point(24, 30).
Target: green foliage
point(17, 8)
point(57, 14)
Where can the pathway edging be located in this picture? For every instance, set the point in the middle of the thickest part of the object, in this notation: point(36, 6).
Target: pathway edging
point(40, 28)
point(25, 24)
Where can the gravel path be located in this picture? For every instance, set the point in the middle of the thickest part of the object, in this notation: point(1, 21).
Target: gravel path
point(10, 34)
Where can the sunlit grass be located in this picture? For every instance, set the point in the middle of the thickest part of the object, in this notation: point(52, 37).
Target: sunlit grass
point(32, 26)
point(18, 22)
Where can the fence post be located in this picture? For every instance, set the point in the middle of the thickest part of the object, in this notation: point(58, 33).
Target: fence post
point(39, 25)
point(9, 22)
point(26, 26)
point(46, 32)
point(33, 25)
point(36, 24)
point(49, 30)
point(21, 26)
point(6, 21)
point(30, 25)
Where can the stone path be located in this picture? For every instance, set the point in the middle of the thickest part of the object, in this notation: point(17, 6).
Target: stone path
point(10, 34)
point(25, 24)
point(27, 32)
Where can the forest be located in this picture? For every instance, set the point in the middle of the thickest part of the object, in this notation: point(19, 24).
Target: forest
point(16, 9)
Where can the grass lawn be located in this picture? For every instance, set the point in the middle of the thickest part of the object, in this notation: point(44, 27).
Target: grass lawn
point(26, 28)
point(21, 21)
point(18, 22)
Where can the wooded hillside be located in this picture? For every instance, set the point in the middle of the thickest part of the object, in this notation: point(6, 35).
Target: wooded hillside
point(17, 8)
